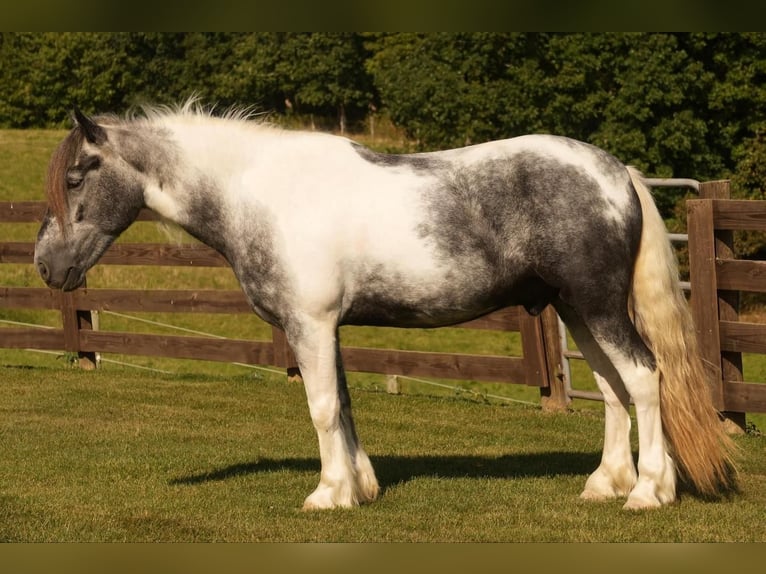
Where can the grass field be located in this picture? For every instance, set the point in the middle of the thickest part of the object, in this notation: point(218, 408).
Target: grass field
point(119, 455)
point(169, 450)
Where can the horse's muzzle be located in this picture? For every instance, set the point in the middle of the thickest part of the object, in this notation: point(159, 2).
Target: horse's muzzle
point(44, 271)
point(65, 278)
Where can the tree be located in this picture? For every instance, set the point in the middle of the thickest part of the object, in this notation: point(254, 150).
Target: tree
point(251, 77)
point(681, 104)
point(450, 89)
point(325, 72)
point(318, 73)
point(44, 75)
point(749, 182)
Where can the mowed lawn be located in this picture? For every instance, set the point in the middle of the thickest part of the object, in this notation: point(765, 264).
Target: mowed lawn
point(193, 451)
point(124, 455)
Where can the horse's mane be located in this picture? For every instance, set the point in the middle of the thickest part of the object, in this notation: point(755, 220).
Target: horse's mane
point(65, 154)
point(193, 108)
point(63, 157)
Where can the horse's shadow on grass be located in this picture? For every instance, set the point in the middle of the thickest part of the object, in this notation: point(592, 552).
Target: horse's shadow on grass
point(392, 470)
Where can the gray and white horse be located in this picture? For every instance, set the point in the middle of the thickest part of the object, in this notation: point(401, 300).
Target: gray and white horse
point(321, 231)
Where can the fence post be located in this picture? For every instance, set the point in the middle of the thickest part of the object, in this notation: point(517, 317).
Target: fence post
point(533, 350)
point(728, 302)
point(283, 355)
point(704, 295)
point(553, 397)
point(75, 320)
point(542, 357)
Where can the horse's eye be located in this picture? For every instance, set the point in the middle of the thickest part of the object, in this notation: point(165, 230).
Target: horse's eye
point(74, 180)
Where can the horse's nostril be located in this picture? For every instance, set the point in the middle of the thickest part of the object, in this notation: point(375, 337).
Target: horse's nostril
point(42, 268)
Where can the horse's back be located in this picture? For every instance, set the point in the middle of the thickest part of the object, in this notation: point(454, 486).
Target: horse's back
point(507, 222)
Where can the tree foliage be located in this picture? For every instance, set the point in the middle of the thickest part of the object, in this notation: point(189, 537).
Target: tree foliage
point(673, 104)
point(457, 89)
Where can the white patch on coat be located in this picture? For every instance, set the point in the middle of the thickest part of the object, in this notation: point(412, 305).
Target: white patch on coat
point(614, 184)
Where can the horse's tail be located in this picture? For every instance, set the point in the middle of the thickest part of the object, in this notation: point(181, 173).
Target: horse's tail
point(701, 448)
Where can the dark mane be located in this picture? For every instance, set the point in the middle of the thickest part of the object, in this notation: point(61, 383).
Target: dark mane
point(55, 185)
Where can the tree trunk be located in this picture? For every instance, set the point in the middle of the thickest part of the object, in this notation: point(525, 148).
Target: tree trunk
point(342, 118)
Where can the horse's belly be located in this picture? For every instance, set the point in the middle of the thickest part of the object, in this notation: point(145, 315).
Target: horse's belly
point(455, 298)
point(386, 311)
point(416, 301)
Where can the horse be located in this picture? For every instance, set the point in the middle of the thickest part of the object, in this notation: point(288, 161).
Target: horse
point(321, 231)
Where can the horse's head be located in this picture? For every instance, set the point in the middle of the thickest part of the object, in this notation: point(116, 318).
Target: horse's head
point(93, 196)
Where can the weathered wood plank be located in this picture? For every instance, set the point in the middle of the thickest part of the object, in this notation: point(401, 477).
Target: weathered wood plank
point(740, 214)
point(71, 322)
point(535, 365)
point(718, 189)
point(22, 211)
point(442, 365)
point(163, 301)
point(178, 347)
point(31, 338)
point(33, 212)
point(130, 254)
point(148, 215)
point(704, 291)
point(195, 255)
point(728, 304)
point(30, 298)
point(745, 397)
point(740, 337)
point(741, 275)
point(17, 252)
point(553, 396)
point(502, 320)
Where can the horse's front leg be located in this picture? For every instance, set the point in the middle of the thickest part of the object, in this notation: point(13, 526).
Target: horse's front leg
point(366, 481)
point(347, 478)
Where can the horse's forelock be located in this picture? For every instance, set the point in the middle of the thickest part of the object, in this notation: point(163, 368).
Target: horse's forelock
point(55, 186)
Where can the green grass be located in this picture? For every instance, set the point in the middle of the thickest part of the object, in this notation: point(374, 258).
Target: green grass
point(24, 158)
point(207, 451)
point(118, 455)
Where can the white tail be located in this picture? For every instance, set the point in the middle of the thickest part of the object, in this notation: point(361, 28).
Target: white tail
point(698, 443)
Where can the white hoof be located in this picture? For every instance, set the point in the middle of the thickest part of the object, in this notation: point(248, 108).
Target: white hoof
point(595, 496)
point(642, 502)
point(647, 494)
point(326, 497)
point(366, 482)
point(608, 484)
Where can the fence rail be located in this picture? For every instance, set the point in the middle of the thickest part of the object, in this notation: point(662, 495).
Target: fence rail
point(716, 280)
point(535, 367)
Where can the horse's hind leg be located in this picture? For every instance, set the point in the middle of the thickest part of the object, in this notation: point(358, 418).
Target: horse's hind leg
point(619, 341)
point(616, 474)
point(656, 471)
point(347, 477)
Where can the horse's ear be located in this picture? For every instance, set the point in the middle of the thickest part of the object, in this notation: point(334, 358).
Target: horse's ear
point(93, 132)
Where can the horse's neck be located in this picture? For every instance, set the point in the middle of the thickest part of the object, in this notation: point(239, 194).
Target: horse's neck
point(217, 146)
point(207, 157)
point(197, 153)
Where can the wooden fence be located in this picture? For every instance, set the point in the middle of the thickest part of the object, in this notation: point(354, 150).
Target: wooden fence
point(538, 366)
point(716, 280)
